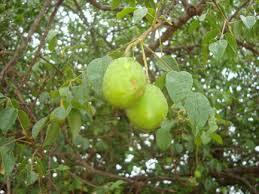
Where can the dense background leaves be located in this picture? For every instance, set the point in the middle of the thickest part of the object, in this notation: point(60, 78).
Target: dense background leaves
point(57, 133)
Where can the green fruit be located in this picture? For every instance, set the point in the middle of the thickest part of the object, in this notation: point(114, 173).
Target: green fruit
point(197, 173)
point(124, 82)
point(151, 109)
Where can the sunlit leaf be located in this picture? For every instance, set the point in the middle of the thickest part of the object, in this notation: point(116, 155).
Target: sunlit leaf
point(75, 123)
point(249, 21)
point(178, 85)
point(139, 14)
point(218, 48)
point(198, 109)
point(126, 11)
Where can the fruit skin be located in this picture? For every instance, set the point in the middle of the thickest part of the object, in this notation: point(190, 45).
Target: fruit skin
point(151, 109)
point(124, 82)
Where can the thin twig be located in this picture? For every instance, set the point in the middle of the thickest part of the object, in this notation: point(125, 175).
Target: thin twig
point(142, 37)
point(248, 46)
point(22, 101)
point(196, 10)
point(145, 61)
point(8, 185)
point(226, 21)
point(83, 180)
point(43, 38)
point(238, 10)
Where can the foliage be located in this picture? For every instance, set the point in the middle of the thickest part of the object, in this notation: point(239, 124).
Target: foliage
point(59, 135)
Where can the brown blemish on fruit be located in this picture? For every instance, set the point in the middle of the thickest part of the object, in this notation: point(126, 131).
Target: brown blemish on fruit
point(134, 84)
point(140, 92)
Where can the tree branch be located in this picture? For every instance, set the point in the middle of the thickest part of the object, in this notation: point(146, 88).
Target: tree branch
point(238, 10)
point(22, 101)
point(86, 24)
point(43, 38)
point(92, 30)
point(244, 170)
point(192, 11)
point(22, 47)
point(187, 48)
point(230, 178)
point(248, 46)
point(134, 181)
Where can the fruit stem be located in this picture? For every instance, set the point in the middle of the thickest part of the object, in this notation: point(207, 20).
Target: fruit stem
point(145, 61)
point(143, 36)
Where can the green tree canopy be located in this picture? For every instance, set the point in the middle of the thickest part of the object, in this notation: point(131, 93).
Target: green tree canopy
point(58, 134)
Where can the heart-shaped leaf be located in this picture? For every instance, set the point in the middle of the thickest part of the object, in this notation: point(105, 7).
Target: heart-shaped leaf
point(198, 109)
point(218, 48)
point(178, 85)
point(249, 21)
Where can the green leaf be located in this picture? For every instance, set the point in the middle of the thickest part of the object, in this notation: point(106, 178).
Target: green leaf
point(124, 12)
point(231, 41)
point(167, 63)
point(116, 185)
point(32, 177)
point(249, 21)
point(218, 48)
point(163, 135)
point(115, 54)
point(160, 81)
point(51, 35)
point(8, 161)
point(8, 117)
point(52, 44)
point(52, 40)
point(197, 173)
point(95, 72)
point(208, 38)
point(53, 131)
point(151, 15)
point(139, 14)
point(217, 138)
point(24, 121)
point(44, 97)
point(198, 109)
point(150, 3)
point(115, 3)
point(19, 19)
point(74, 122)
point(194, 24)
point(62, 167)
point(38, 126)
point(178, 85)
point(58, 114)
point(205, 138)
point(65, 93)
point(178, 147)
point(1, 96)
point(83, 142)
point(212, 122)
point(203, 17)
point(163, 138)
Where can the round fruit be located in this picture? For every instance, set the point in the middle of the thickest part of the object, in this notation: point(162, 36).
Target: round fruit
point(150, 110)
point(124, 82)
point(197, 173)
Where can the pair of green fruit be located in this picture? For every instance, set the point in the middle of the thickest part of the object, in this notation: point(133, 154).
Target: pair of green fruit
point(125, 86)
